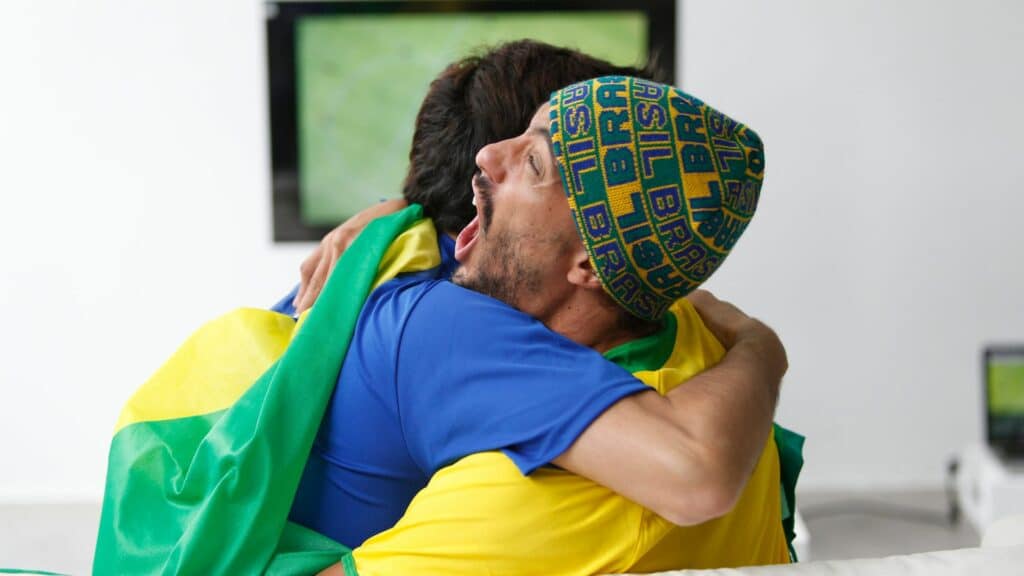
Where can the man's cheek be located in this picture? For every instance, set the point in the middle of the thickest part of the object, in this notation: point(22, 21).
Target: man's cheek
point(486, 217)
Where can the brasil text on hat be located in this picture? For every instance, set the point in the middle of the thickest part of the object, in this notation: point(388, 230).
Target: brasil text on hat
point(661, 185)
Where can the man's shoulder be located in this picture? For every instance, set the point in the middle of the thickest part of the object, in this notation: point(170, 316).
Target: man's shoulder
point(413, 304)
point(411, 291)
point(439, 300)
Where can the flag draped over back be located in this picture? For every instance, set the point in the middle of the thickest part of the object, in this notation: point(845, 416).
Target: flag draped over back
point(207, 455)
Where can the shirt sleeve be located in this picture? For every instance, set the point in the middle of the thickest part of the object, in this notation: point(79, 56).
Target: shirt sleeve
point(284, 305)
point(473, 374)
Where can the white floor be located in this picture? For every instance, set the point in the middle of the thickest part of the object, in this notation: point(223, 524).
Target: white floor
point(60, 538)
point(843, 525)
point(51, 537)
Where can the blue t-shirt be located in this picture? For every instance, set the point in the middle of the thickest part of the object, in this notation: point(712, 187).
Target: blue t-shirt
point(434, 373)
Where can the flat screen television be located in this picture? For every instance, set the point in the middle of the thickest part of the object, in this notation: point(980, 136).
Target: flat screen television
point(346, 80)
point(1003, 367)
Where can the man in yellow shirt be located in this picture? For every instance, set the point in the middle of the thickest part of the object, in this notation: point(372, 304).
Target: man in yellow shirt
point(481, 515)
point(646, 241)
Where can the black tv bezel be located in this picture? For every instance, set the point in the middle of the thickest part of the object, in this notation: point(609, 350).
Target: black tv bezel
point(280, 29)
point(1010, 451)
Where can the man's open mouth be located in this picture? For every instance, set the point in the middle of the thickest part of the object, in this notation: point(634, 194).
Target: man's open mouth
point(464, 242)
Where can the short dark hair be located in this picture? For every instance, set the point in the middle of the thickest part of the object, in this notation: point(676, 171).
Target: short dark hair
point(482, 99)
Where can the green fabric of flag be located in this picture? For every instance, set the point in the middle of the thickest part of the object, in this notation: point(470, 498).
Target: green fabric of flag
point(791, 461)
point(209, 493)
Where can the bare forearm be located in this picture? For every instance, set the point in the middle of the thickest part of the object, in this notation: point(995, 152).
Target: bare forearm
point(687, 455)
point(728, 410)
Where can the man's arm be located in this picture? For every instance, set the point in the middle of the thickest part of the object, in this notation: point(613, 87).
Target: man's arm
point(553, 521)
point(317, 267)
point(687, 455)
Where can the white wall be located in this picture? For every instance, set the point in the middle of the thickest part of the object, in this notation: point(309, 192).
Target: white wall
point(135, 186)
point(889, 240)
point(135, 206)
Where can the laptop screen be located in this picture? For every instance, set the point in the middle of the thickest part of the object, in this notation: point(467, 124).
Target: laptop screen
point(1004, 392)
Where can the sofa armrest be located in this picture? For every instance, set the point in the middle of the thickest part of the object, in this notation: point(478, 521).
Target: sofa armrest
point(1001, 554)
point(1008, 531)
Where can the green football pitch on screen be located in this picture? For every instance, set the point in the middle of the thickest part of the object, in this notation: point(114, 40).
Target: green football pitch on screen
point(1006, 387)
point(361, 78)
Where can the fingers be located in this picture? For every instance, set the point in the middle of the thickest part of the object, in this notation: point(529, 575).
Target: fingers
point(306, 271)
point(701, 299)
point(731, 325)
point(336, 253)
point(316, 281)
point(722, 318)
point(317, 268)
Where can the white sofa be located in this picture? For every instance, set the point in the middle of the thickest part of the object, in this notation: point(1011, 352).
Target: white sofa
point(1001, 554)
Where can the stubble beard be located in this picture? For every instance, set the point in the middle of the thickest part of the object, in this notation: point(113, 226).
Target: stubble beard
point(502, 273)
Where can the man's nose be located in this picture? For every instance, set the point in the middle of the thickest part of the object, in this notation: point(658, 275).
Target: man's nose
point(491, 160)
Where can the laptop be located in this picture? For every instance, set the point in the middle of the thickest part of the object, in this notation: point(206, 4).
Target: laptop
point(1003, 368)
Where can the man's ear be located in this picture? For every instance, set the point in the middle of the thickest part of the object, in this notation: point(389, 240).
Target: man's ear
point(582, 273)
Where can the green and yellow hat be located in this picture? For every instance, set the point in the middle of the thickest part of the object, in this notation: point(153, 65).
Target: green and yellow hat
point(661, 185)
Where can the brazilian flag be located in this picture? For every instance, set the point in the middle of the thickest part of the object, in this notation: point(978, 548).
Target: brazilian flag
point(207, 455)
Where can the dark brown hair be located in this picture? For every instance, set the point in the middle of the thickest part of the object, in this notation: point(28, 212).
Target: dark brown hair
point(482, 99)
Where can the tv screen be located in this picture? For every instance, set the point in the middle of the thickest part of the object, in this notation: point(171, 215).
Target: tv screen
point(1004, 390)
point(347, 78)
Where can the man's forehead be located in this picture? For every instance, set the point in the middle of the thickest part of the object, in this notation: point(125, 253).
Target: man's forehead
point(540, 117)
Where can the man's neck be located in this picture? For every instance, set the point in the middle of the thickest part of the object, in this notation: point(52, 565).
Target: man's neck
point(592, 321)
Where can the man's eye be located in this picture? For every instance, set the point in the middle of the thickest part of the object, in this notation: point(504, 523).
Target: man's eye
point(534, 164)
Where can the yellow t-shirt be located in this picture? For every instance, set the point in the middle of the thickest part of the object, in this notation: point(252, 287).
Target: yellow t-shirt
point(482, 516)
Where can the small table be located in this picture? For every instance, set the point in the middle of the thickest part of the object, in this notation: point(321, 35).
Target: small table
point(988, 488)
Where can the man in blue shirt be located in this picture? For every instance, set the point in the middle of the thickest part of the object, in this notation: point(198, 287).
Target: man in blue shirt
point(436, 372)
point(422, 387)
